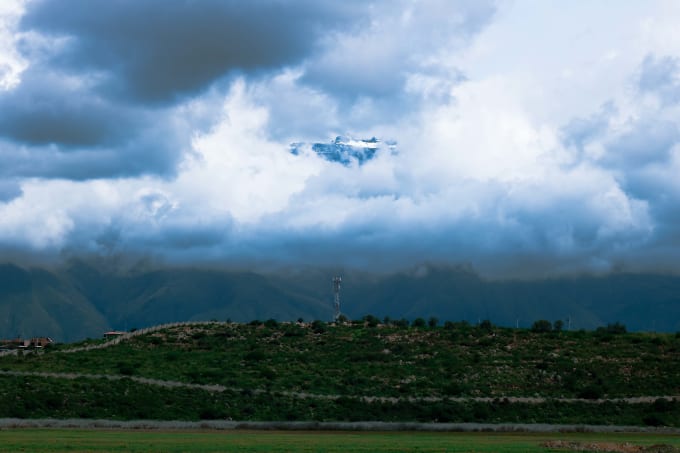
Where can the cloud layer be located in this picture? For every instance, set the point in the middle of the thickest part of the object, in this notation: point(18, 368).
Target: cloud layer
point(531, 140)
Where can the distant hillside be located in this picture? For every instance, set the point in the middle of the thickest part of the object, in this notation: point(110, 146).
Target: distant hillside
point(641, 301)
point(82, 300)
point(34, 302)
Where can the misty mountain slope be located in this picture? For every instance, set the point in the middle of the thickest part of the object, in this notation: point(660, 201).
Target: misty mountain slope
point(191, 294)
point(82, 300)
point(35, 302)
point(642, 302)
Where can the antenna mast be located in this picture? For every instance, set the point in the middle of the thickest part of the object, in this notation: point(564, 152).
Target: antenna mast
point(336, 301)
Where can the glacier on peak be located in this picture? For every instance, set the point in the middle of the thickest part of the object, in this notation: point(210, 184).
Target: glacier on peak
point(345, 150)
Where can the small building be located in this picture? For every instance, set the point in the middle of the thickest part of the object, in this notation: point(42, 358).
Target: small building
point(113, 334)
point(39, 342)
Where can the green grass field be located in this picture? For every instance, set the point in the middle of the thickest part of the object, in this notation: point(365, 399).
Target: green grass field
point(79, 440)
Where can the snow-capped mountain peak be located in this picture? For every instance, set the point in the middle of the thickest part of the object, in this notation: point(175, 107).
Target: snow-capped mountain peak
point(345, 150)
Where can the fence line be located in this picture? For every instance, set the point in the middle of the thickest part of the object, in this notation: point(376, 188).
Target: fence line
point(128, 335)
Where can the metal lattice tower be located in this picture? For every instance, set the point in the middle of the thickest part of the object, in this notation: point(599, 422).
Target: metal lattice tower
point(336, 300)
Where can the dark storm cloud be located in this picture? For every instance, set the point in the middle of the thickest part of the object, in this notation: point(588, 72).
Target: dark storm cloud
point(106, 81)
point(47, 108)
point(159, 51)
point(154, 150)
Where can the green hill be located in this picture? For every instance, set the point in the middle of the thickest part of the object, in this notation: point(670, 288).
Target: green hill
point(275, 371)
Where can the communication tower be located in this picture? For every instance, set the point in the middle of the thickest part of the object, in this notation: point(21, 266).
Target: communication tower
point(336, 300)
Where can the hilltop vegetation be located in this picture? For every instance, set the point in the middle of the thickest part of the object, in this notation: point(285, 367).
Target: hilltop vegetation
point(318, 371)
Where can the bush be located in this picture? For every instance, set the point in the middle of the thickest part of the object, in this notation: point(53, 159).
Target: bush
point(486, 325)
point(371, 320)
point(403, 322)
point(126, 369)
point(255, 355)
point(541, 326)
point(418, 322)
point(318, 326)
point(591, 392)
point(432, 322)
point(615, 329)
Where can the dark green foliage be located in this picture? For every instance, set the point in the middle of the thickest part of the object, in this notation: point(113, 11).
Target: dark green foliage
point(371, 321)
point(271, 323)
point(260, 362)
point(418, 322)
point(318, 326)
point(403, 322)
point(558, 325)
point(541, 326)
point(126, 400)
point(613, 329)
point(433, 322)
point(486, 325)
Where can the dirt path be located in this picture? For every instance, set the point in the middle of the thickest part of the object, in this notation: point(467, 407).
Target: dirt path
point(305, 395)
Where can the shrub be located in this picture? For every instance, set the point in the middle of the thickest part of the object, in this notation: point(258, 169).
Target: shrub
point(432, 322)
point(318, 326)
point(591, 392)
point(418, 322)
point(486, 325)
point(403, 322)
point(541, 326)
point(255, 355)
point(126, 368)
point(371, 320)
point(615, 329)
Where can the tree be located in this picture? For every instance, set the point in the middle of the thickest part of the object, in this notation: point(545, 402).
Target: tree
point(486, 325)
point(418, 322)
point(432, 322)
point(371, 320)
point(541, 326)
point(403, 322)
point(318, 326)
point(558, 325)
point(616, 328)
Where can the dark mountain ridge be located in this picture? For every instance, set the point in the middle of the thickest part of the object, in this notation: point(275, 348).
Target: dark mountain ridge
point(80, 300)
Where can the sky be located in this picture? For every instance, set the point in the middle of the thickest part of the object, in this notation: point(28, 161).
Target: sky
point(534, 138)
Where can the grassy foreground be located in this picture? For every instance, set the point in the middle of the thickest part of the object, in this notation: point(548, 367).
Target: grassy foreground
point(76, 440)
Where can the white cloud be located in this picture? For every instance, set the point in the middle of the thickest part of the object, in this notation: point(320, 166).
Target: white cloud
point(11, 63)
point(526, 140)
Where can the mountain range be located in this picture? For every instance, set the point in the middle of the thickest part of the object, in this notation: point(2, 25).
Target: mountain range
point(79, 299)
